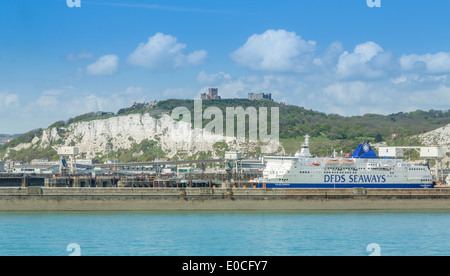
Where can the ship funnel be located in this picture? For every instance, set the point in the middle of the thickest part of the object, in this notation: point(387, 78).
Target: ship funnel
point(364, 150)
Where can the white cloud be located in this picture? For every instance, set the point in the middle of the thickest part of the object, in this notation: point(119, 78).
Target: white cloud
point(431, 63)
point(345, 93)
point(8, 100)
point(107, 101)
point(48, 101)
point(197, 57)
point(362, 62)
point(205, 78)
point(93, 103)
point(333, 52)
point(412, 79)
point(67, 102)
point(232, 88)
point(134, 90)
point(53, 99)
point(177, 93)
point(105, 65)
point(276, 50)
point(365, 78)
point(437, 98)
point(164, 52)
point(53, 92)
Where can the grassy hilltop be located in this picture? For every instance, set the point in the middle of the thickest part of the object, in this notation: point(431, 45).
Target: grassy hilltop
point(328, 131)
point(332, 131)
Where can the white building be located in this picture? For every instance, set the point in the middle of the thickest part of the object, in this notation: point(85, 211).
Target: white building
point(43, 162)
point(87, 162)
point(36, 169)
point(233, 155)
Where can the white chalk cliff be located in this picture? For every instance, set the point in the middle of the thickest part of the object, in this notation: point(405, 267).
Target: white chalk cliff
point(120, 132)
point(439, 136)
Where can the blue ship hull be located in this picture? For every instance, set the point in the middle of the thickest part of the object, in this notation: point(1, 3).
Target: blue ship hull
point(340, 185)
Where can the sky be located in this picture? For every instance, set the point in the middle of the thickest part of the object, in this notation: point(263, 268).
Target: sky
point(344, 57)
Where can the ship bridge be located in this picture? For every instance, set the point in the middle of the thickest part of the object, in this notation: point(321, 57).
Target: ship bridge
point(304, 152)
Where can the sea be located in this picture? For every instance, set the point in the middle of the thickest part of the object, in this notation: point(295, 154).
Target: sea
point(226, 233)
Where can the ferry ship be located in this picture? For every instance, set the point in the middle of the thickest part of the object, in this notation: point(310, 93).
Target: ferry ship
point(362, 169)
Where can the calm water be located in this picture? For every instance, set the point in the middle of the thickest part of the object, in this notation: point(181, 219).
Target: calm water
point(225, 233)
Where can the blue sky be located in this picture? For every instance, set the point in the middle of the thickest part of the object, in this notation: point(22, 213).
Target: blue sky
point(339, 57)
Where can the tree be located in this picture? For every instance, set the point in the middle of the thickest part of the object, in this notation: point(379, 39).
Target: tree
point(378, 138)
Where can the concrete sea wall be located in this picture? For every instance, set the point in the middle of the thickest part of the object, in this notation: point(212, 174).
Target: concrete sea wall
point(217, 199)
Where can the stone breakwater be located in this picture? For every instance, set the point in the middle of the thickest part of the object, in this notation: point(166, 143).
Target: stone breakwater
point(213, 199)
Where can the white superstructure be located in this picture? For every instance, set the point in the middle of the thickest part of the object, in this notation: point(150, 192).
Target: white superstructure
point(362, 169)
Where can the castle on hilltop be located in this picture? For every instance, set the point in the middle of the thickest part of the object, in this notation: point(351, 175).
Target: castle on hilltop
point(213, 94)
point(259, 96)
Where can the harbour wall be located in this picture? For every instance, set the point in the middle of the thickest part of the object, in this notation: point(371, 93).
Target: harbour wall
point(219, 199)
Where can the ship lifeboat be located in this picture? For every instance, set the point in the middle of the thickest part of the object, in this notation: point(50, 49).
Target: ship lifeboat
point(331, 162)
point(347, 161)
point(315, 164)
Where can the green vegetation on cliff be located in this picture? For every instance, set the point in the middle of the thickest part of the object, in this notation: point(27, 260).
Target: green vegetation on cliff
point(328, 131)
point(145, 151)
point(296, 121)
